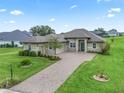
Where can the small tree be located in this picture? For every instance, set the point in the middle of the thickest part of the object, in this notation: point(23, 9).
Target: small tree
point(12, 43)
point(105, 48)
point(11, 72)
point(54, 43)
point(112, 39)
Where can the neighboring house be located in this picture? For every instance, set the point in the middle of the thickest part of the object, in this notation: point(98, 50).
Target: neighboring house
point(78, 40)
point(101, 34)
point(113, 32)
point(121, 33)
point(16, 37)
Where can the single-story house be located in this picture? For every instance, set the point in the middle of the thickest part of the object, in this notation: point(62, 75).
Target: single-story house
point(100, 33)
point(77, 40)
point(113, 32)
point(121, 33)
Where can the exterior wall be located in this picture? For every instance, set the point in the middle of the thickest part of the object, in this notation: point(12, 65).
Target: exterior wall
point(65, 47)
point(97, 49)
point(34, 47)
point(86, 45)
point(62, 49)
point(76, 48)
point(113, 35)
point(44, 49)
point(72, 49)
point(58, 50)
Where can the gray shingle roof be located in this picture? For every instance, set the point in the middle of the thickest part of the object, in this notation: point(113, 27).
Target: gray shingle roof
point(44, 39)
point(77, 33)
point(83, 33)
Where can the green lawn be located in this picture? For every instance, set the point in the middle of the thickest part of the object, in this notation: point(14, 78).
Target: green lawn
point(112, 65)
point(9, 56)
point(8, 50)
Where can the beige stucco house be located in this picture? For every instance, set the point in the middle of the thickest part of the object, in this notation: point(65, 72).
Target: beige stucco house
point(77, 40)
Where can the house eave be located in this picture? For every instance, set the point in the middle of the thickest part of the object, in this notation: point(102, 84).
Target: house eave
point(96, 41)
point(77, 37)
point(40, 42)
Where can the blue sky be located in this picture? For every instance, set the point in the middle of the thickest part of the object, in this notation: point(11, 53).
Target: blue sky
point(61, 15)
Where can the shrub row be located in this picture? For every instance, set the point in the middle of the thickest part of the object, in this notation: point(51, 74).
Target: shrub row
point(39, 54)
point(27, 53)
point(54, 58)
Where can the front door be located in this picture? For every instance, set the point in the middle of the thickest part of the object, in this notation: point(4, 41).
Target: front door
point(81, 45)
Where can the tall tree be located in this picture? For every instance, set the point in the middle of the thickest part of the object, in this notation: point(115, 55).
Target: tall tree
point(114, 30)
point(54, 43)
point(41, 30)
point(101, 32)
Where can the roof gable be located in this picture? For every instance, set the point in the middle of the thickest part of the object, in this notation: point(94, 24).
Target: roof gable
point(77, 33)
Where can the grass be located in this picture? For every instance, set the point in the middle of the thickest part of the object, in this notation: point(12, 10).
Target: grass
point(8, 50)
point(6, 58)
point(112, 65)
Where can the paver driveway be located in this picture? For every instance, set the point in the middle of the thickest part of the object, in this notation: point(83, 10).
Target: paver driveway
point(48, 80)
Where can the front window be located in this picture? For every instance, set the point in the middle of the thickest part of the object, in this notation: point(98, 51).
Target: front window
point(29, 47)
point(72, 45)
point(50, 47)
point(94, 45)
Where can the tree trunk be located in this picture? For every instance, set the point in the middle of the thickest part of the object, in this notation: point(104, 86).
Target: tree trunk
point(55, 51)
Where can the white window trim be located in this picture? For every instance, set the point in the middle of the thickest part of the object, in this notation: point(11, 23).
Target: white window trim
point(95, 45)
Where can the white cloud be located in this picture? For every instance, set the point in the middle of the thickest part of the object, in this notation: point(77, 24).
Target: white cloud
point(3, 10)
point(16, 12)
point(52, 19)
point(110, 15)
point(99, 0)
point(9, 22)
point(12, 22)
point(66, 25)
point(114, 10)
point(103, 1)
point(73, 6)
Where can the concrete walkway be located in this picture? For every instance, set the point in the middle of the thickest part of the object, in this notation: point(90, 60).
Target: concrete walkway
point(7, 91)
point(48, 80)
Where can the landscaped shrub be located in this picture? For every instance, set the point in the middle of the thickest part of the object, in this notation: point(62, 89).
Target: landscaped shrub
point(27, 53)
point(55, 58)
point(112, 39)
point(105, 49)
point(25, 62)
point(21, 53)
point(32, 54)
point(90, 51)
point(39, 53)
point(8, 83)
